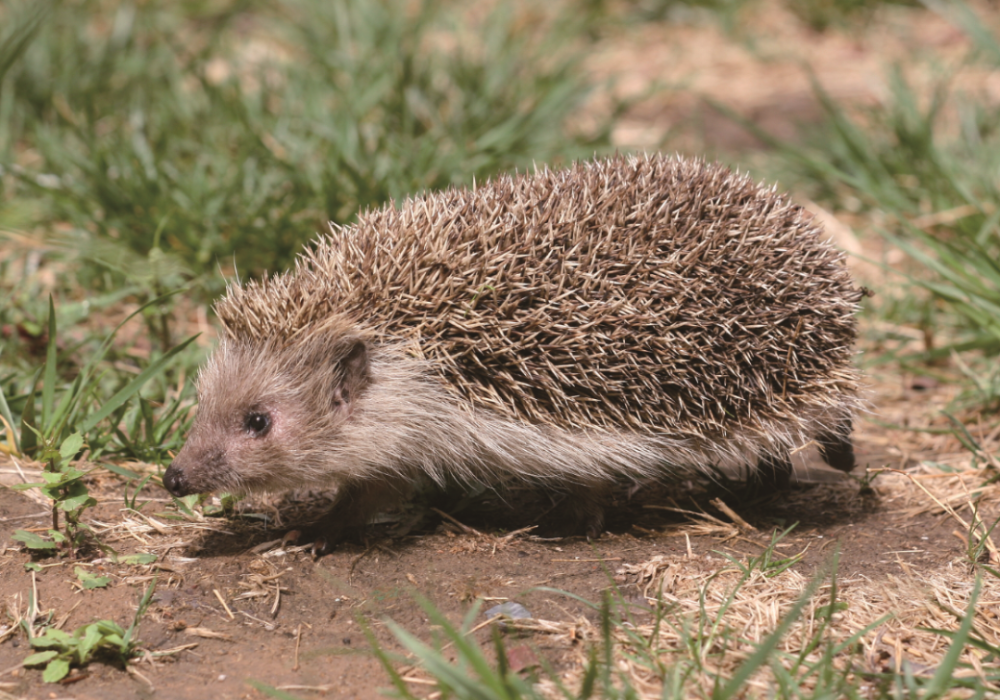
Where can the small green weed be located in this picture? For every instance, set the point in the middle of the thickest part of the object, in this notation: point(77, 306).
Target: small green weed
point(978, 543)
point(61, 650)
point(767, 563)
point(88, 580)
point(54, 435)
point(132, 503)
point(64, 486)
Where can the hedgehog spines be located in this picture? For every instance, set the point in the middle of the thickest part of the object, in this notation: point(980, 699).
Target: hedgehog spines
point(648, 294)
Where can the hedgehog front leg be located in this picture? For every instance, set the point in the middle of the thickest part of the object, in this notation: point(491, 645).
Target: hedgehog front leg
point(837, 449)
point(582, 509)
point(358, 501)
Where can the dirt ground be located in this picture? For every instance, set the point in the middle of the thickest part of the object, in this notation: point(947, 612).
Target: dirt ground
point(232, 608)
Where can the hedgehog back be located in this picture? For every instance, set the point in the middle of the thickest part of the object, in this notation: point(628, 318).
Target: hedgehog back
point(640, 293)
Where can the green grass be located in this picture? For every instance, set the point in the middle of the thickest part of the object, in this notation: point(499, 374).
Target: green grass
point(45, 403)
point(939, 190)
point(59, 421)
point(176, 138)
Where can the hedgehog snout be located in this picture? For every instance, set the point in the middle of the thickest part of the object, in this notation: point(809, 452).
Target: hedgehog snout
point(195, 470)
point(176, 482)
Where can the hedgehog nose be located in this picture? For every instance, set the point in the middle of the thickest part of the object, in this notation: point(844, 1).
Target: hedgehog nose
point(175, 482)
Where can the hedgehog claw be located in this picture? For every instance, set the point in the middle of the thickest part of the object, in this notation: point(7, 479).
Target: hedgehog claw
point(319, 547)
point(594, 525)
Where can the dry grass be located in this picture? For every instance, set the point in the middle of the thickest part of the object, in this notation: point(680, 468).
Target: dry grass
point(713, 615)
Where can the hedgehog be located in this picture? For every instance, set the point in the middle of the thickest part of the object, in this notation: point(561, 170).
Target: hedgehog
point(629, 318)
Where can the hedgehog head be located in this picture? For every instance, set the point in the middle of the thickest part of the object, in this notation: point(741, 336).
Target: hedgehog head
point(266, 401)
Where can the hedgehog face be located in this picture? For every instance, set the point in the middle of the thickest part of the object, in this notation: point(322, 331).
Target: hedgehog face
point(268, 415)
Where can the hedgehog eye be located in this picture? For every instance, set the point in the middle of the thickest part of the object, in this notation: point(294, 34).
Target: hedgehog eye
point(257, 424)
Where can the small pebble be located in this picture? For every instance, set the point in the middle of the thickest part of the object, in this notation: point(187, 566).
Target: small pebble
point(514, 611)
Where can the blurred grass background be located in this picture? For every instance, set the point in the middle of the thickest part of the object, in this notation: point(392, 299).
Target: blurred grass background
point(232, 131)
point(147, 147)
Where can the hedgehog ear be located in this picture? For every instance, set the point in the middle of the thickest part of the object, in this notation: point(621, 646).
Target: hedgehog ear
point(353, 365)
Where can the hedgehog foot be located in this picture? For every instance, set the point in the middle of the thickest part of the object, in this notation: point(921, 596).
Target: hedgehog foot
point(837, 449)
point(580, 511)
point(357, 503)
point(773, 473)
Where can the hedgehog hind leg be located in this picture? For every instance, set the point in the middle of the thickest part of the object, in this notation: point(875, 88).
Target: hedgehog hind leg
point(836, 447)
point(773, 473)
point(591, 509)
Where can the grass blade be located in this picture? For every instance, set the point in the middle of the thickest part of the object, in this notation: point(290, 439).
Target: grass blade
point(946, 669)
point(766, 647)
point(5, 412)
point(29, 438)
point(88, 368)
point(49, 373)
point(144, 602)
point(132, 387)
point(14, 44)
